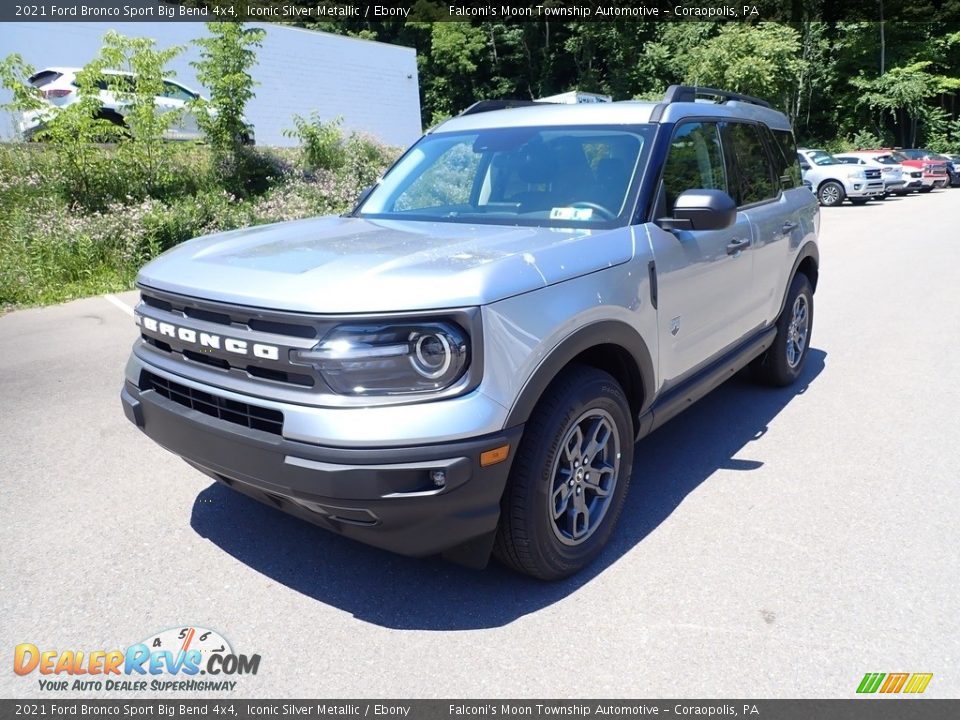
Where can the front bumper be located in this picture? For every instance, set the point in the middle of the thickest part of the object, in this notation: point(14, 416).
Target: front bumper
point(384, 497)
point(865, 188)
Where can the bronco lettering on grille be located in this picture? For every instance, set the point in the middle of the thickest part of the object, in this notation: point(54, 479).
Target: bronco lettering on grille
point(208, 340)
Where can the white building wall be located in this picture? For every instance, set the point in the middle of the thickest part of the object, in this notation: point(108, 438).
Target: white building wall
point(373, 86)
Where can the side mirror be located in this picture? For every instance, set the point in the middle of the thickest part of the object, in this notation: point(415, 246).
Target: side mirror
point(804, 167)
point(701, 210)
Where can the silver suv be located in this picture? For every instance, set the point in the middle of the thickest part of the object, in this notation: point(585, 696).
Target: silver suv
point(833, 181)
point(463, 363)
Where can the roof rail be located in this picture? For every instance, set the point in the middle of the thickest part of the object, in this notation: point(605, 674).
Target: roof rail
point(690, 93)
point(488, 105)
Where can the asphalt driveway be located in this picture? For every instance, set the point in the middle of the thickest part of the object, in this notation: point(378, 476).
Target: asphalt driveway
point(776, 543)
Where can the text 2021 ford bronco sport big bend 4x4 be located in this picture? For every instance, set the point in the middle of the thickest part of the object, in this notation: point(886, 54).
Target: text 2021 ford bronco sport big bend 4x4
point(463, 363)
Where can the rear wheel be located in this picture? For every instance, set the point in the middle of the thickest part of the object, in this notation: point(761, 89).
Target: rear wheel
point(570, 477)
point(831, 193)
point(783, 362)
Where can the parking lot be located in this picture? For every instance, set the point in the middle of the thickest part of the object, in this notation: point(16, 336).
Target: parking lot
point(776, 543)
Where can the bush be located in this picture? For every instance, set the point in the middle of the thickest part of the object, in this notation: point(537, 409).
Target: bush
point(321, 142)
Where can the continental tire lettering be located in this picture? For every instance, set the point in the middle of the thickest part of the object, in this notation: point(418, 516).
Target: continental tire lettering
point(233, 664)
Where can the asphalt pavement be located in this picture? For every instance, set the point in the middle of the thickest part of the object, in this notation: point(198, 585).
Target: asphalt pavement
point(776, 543)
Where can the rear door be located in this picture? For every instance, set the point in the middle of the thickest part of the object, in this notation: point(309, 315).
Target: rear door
point(704, 276)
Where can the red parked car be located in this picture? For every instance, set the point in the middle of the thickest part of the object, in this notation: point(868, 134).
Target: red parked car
point(934, 171)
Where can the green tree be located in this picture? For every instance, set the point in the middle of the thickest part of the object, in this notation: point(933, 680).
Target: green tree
point(902, 92)
point(758, 60)
point(226, 57)
point(142, 143)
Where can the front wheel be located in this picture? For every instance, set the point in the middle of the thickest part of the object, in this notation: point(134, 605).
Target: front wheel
point(783, 361)
point(831, 193)
point(569, 479)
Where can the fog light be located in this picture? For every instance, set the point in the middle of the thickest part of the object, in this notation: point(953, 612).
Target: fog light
point(439, 477)
point(856, 187)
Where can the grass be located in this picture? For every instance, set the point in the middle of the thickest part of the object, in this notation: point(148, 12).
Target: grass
point(66, 234)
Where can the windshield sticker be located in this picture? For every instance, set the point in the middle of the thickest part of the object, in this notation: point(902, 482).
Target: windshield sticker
point(571, 213)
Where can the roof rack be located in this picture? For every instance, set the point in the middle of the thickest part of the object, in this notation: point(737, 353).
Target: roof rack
point(488, 105)
point(690, 93)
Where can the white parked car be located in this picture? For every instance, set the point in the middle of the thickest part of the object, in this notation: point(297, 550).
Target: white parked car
point(897, 179)
point(833, 181)
point(59, 88)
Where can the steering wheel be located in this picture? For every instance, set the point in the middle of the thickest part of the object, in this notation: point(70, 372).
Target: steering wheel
point(607, 214)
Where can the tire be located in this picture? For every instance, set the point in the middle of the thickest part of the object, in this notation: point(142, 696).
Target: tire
point(831, 193)
point(862, 201)
point(783, 362)
point(548, 473)
point(115, 119)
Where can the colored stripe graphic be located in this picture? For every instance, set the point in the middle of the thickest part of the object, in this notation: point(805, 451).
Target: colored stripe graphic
point(894, 682)
point(918, 683)
point(870, 682)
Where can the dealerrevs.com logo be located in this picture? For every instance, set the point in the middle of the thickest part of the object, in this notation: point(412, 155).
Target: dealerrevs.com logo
point(171, 660)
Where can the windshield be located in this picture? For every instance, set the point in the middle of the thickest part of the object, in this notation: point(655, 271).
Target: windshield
point(886, 160)
point(819, 157)
point(542, 176)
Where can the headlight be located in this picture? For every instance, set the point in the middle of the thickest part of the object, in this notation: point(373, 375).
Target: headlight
point(390, 359)
point(858, 175)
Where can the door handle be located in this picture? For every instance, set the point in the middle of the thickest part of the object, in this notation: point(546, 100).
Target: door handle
point(789, 227)
point(735, 246)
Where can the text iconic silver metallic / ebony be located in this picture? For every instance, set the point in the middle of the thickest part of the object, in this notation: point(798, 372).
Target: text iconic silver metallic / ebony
point(463, 363)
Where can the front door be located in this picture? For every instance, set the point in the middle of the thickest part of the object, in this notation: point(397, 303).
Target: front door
point(704, 278)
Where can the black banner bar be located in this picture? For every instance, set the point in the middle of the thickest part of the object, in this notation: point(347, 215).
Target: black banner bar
point(867, 708)
point(305, 12)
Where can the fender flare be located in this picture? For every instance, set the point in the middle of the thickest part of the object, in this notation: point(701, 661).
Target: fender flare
point(606, 332)
point(808, 250)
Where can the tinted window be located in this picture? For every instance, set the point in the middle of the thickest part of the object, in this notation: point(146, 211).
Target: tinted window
point(695, 161)
point(172, 90)
point(754, 175)
point(788, 166)
point(44, 78)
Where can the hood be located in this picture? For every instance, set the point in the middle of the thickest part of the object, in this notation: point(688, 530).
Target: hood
point(352, 265)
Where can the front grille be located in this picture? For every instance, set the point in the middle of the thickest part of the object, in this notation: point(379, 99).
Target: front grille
point(872, 174)
point(283, 329)
point(238, 413)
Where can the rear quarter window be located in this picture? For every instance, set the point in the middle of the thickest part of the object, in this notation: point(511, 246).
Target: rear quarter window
point(787, 160)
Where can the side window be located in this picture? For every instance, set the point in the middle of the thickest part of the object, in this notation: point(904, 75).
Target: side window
point(787, 161)
point(754, 176)
point(694, 162)
point(174, 91)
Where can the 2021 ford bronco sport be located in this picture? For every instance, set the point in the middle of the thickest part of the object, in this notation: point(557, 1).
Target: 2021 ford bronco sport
point(463, 363)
